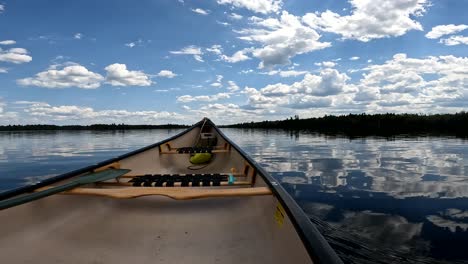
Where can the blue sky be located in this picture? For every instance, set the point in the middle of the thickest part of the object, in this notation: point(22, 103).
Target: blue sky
point(153, 62)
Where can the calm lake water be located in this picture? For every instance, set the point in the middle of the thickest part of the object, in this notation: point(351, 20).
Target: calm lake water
point(376, 200)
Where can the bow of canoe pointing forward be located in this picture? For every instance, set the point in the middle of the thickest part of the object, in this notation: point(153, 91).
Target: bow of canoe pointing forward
point(196, 198)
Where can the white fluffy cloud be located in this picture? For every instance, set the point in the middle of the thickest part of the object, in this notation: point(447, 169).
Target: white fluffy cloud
point(44, 112)
point(3, 70)
point(201, 11)
point(232, 86)
point(370, 19)
point(455, 40)
point(7, 42)
point(218, 83)
point(287, 73)
point(442, 30)
point(69, 76)
point(15, 55)
point(313, 91)
point(412, 84)
point(328, 82)
point(326, 64)
point(203, 98)
point(281, 39)
point(190, 50)
point(258, 6)
point(166, 74)
point(77, 36)
point(118, 75)
point(237, 56)
point(2, 8)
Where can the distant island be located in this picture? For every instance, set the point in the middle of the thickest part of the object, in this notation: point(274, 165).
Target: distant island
point(372, 124)
point(89, 127)
point(350, 125)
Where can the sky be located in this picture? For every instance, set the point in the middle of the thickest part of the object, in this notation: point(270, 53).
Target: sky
point(177, 61)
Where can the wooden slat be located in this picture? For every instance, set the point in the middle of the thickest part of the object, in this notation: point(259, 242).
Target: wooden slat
point(213, 151)
point(177, 193)
point(222, 174)
point(176, 184)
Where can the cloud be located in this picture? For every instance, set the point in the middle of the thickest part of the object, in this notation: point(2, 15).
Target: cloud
point(428, 83)
point(204, 98)
point(70, 76)
point(288, 73)
point(78, 36)
point(118, 75)
point(326, 64)
point(313, 91)
point(235, 16)
point(223, 23)
point(130, 45)
point(3, 70)
point(15, 55)
point(237, 56)
point(167, 74)
point(138, 42)
point(371, 19)
point(281, 39)
point(72, 114)
point(232, 86)
point(190, 50)
point(354, 58)
point(455, 40)
point(7, 42)
point(216, 49)
point(218, 83)
point(201, 11)
point(258, 6)
point(442, 30)
point(328, 82)
point(2, 8)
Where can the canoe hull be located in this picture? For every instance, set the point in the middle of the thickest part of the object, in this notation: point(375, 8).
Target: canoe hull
point(86, 229)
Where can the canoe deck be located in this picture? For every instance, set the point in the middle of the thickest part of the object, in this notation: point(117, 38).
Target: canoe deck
point(152, 229)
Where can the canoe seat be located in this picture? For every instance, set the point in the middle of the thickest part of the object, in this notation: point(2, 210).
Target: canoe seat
point(195, 150)
point(185, 180)
point(192, 150)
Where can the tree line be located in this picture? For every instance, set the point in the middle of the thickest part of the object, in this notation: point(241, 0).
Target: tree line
point(372, 124)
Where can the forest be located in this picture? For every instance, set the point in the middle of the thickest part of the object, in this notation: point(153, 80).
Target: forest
point(372, 124)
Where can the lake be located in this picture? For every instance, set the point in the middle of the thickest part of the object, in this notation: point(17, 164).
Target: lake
point(376, 200)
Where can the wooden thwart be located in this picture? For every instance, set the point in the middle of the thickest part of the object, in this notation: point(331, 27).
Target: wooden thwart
point(177, 193)
point(176, 184)
point(176, 152)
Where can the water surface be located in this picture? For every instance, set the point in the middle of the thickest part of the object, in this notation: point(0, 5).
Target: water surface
point(376, 200)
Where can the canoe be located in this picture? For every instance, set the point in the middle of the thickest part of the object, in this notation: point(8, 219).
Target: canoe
point(193, 198)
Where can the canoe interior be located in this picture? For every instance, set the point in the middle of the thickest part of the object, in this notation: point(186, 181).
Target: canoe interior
point(156, 229)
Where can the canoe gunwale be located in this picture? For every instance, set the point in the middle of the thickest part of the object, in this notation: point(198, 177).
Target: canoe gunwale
point(67, 175)
point(316, 245)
